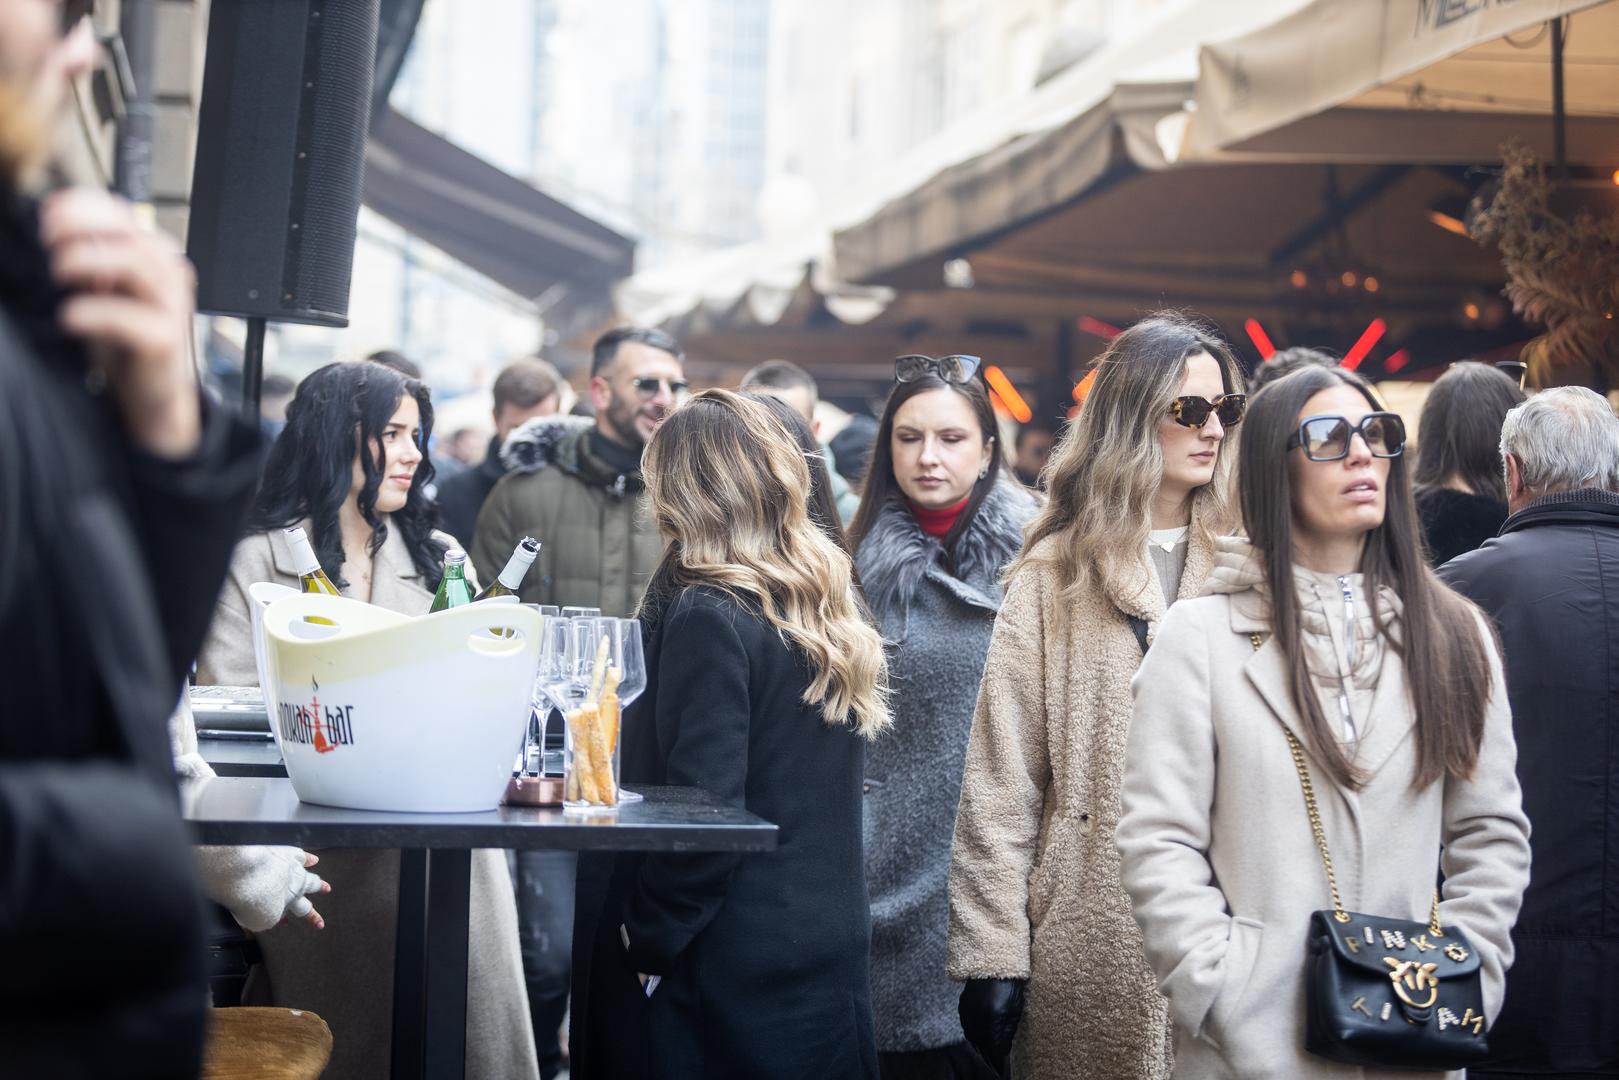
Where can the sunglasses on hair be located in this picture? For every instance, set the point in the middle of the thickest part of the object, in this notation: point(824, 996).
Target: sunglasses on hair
point(1327, 438)
point(647, 386)
point(1193, 412)
point(952, 369)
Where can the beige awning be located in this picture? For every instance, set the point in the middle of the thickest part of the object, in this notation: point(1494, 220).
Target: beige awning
point(1035, 153)
point(1403, 81)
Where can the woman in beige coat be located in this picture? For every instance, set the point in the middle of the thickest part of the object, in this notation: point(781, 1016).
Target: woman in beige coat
point(1037, 914)
point(369, 524)
point(1391, 684)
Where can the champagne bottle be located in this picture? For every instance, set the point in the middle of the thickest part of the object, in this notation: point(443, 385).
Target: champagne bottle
point(523, 556)
point(311, 578)
point(453, 589)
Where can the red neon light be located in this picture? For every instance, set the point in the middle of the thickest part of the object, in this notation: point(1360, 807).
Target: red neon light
point(1261, 340)
point(1397, 360)
point(1007, 393)
point(1369, 337)
point(1106, 331)
point(1083, 387)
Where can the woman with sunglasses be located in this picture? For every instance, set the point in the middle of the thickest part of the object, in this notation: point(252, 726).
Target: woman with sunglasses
point(939, 520)
point(1323, 649)
point(1039, 923)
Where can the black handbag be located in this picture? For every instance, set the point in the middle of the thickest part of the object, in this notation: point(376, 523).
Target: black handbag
point(1387, 993)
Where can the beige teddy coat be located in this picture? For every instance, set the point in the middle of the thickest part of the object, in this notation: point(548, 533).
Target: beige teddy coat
point(1034, 877)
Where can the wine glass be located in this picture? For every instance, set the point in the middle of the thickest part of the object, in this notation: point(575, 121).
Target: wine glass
point(531, 756)
point(572, 612)
point(632, 677)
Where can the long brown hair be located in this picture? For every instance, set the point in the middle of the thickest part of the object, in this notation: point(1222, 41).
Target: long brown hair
point(1107, 466)
point(881, 485)
point(1446, 657)
point(730, 489)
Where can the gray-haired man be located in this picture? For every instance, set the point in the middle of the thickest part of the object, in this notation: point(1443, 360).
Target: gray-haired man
point(1550, 581)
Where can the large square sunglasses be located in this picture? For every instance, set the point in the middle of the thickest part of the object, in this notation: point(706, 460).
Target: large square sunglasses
point(952, 369)
point(1327, 438)
point(1193, 411)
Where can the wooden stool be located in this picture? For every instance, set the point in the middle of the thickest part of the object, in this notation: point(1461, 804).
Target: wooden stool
point(265, 1044)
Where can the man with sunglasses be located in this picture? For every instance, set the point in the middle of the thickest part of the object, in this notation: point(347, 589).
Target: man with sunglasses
point(120, 497)
point(578, 487)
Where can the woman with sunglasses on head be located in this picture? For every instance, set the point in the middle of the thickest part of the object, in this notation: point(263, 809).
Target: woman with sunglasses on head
point(1325, 731)
point(939, 520)
point(349, 469)
point(764, 684)
point(1040, 927)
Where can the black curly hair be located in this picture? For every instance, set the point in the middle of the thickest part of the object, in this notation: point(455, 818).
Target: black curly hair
point(311, 466)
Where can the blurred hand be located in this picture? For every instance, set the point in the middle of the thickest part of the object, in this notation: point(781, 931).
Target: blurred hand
point(990, 1010)
point(301, 908)
point(131, 296)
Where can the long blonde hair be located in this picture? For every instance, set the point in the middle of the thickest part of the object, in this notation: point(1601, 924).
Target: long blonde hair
point(730, 489)
point(1107, 466)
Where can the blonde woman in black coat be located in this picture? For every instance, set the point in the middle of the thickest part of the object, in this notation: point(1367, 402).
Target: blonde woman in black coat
point(764, 682)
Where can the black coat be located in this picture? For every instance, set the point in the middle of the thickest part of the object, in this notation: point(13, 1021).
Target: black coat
point(1455, 522)
point(110, 561)
point(764, 957)
point(1550, 582)
point(461, 497)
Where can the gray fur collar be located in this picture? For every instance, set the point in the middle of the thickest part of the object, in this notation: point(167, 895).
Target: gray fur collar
point(896, 555)
point(545, 440)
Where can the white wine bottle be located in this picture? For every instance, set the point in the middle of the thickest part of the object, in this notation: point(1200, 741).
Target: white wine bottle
point(453, 588)
point(311, 578)
point(506, 584)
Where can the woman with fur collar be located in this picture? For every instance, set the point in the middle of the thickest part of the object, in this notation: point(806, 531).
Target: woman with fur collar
point(1139, 489)
point(938, 522)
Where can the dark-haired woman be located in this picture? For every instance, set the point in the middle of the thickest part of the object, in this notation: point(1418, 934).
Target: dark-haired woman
point(1461, 494)
point(939, 520)
point(1040, 926)
point(1326, 631)
point(349, 468)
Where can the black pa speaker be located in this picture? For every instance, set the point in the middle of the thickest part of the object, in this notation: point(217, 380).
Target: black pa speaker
point(286, 97)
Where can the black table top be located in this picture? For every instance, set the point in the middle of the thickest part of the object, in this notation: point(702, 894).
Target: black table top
point(265, 810)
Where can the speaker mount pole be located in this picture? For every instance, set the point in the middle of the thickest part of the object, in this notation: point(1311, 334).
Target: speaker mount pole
point(253, 368)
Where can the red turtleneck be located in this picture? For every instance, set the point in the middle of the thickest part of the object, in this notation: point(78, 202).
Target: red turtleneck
point(937, 523)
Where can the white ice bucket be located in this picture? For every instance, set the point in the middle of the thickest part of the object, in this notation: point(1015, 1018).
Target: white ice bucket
point(378, 711)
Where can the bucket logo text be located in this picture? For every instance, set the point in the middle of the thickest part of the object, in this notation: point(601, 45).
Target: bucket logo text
point(325, 727)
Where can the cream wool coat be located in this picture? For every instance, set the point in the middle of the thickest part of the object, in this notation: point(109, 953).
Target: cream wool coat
point(1034, 876)
point(1217, 851)
point(345, 972)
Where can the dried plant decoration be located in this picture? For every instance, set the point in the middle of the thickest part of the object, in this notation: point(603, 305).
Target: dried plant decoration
point(1562, 274)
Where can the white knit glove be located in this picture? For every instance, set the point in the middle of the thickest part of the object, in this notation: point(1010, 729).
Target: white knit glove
point(259, 885)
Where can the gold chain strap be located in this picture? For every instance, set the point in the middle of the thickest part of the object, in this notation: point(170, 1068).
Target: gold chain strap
point(1320, 832)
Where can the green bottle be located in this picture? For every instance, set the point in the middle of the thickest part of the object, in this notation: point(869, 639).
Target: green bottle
point(453, 588)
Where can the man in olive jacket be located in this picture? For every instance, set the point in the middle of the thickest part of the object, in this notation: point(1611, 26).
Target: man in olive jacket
point(577, 486)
